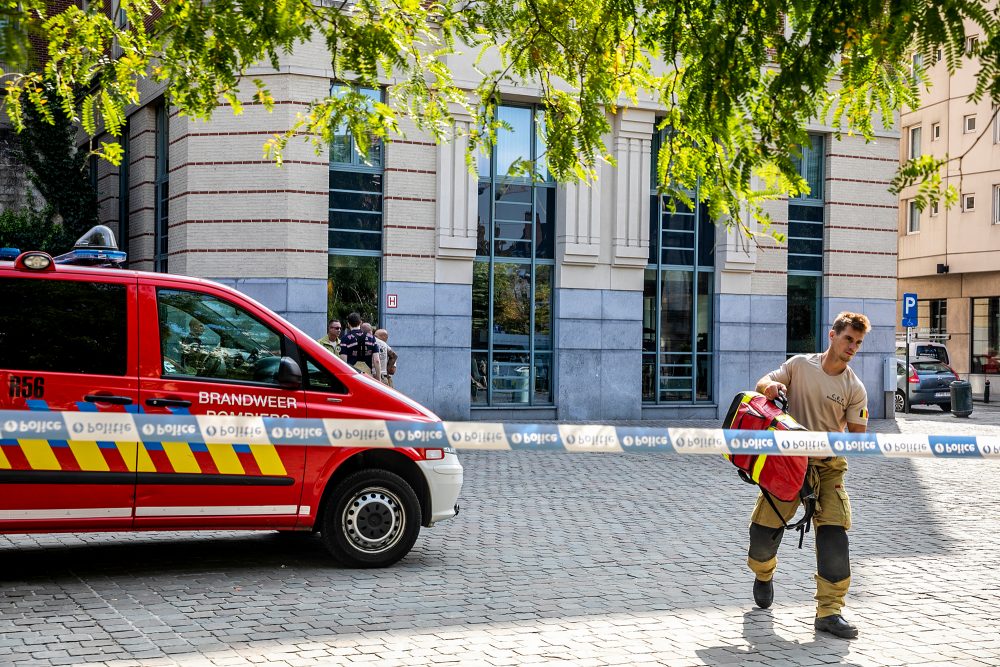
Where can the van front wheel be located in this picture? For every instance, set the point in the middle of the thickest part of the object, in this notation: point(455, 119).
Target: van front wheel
point(371, 519)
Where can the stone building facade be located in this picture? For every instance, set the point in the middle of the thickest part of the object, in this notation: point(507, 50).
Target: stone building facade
point(508, 299)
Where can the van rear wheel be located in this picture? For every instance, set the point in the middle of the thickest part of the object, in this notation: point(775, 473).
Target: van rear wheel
point(371, 519)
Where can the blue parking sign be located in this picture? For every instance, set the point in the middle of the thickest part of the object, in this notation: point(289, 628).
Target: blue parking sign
point(909, 310)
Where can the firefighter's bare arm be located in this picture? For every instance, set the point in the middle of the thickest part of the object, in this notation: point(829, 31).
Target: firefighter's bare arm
point(856, 428)
point(770, 388)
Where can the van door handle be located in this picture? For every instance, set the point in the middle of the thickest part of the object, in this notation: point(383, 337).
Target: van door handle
point(108, 398)
point(331, 399)
point(168, 403)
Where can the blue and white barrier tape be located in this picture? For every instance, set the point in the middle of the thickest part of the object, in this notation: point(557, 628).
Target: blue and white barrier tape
point(105, 426)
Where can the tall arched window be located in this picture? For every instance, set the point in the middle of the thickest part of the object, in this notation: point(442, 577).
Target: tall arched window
point(677, 299)
point(513, 270)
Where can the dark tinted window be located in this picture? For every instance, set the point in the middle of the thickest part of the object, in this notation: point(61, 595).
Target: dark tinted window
point(63, 327)
point(931, 367)
point(318, 379)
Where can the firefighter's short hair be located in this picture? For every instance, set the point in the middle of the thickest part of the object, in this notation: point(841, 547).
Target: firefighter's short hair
point(853, 320)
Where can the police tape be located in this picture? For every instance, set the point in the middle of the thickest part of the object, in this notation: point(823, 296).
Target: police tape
point(154, 430)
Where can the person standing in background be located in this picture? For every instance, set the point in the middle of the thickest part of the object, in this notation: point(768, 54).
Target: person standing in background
point(386, 356)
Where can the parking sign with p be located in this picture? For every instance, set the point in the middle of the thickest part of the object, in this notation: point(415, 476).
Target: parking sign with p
point(909, 310)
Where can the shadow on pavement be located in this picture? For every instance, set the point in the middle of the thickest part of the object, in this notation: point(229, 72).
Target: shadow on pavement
point(766, 647)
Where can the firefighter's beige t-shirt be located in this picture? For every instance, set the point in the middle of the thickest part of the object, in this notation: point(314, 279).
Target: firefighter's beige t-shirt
point(822, 402)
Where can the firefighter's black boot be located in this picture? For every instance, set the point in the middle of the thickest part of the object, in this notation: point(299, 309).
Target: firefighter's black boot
point(763, 593)
point(836, 626)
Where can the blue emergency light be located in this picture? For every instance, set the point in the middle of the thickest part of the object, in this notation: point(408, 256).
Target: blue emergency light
point(9, 254)
point(95, 248)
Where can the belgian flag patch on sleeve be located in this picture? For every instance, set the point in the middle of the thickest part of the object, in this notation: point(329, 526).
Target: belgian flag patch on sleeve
point(863, 413)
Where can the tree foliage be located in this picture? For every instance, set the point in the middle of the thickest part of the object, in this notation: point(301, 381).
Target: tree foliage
point(738, 81)
point(58, 170)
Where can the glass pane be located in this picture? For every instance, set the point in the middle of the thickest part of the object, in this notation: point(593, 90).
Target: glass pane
point(676, 311)
point(675, 382)
point(649, 311)
point(355, 180)
point(678, 257)
point(543, 307)
point(805, 213)
point(515, 143)
point(203, 336)
point(63, 327)
point(805, 246)
point(318, 379)
point(480, 305)
point(511, 303)
point(541, 170)
point(543, 378)
point(803, 314)
point(805, 263)
point(511, 378)
point(672, 239)
point(807, 230)
point(353, 285)
point(706, 238)
point(355, 200)
point(355, 240)
point(341, 147)
point(654, 228)
point(484, 213)
point(703, 385)
point(370, 222)
point(814, 168)
point(704, 324)
point(545, 222)
point(678, 220)
point(512, 224)
point(480, 378)
point(649, 377)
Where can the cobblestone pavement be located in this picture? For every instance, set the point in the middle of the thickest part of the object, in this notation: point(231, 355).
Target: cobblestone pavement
point(555, 560)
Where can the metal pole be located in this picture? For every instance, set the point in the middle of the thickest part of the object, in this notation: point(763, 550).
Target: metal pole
point(906, 407)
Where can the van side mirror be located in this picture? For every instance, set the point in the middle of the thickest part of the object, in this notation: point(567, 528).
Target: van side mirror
point(289, 374)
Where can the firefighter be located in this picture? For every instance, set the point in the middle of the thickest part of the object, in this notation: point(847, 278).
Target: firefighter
point(824, 394)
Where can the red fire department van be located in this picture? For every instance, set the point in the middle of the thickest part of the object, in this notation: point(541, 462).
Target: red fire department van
point(98, 338)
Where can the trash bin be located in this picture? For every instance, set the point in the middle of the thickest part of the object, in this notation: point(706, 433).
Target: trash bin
point(961, 398)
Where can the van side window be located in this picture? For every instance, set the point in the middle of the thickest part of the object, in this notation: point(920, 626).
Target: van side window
point(319, 379)
point(63, 326)
point(204, 336)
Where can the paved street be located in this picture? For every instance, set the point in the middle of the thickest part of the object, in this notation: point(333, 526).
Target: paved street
point(556, 560)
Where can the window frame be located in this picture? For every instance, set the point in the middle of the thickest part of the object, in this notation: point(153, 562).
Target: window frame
point(161, 204)
point(356, 165)
point(915, 135)
point(816, 151)
point(935, 131)
point(540, 186)
point(966, 198)
point(283, 340)
point(968, 128)
point(912, 217)
point(996, 204)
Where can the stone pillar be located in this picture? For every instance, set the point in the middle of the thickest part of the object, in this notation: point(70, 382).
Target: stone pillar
point(603, 247)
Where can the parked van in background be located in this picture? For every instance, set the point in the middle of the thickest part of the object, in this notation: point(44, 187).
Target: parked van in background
point(94, 338)
point(924, 348)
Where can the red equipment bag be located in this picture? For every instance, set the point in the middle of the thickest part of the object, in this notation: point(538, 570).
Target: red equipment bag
point(781, 477)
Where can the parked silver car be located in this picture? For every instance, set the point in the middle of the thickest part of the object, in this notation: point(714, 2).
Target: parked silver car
point(929, 383)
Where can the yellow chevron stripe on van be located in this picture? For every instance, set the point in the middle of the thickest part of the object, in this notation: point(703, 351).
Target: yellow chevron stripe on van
point(181, 457)
point(226, 459)
point(39, 455)
point(267, 459)
point(758, 467)
point(128, 453)
point(88, 455)
point(143, 462)
point(4, 463)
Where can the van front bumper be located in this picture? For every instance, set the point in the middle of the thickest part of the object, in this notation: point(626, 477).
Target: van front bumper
point(444, 480)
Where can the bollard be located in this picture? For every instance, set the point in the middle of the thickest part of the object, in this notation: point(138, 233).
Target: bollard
point(986, 392)
point(961, 398)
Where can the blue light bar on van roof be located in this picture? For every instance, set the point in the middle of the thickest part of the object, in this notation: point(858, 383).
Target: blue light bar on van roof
point(9, 254)
point(92, 257)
